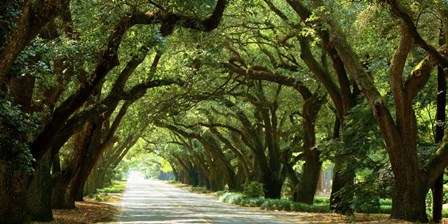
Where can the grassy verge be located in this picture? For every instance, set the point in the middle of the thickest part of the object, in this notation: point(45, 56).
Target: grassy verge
point(321, 205)
point(116, 187)
point(199, 189)
point(104, 194)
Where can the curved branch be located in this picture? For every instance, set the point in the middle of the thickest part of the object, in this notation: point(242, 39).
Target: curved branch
point(421, 72)
point(109, 60)
point(441, 60)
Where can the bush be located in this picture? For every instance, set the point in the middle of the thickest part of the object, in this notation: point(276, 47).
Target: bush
point(117, 187)
point(252, 202)
point(199, 189)
point(99, 197)
point(254, 190)
point(275, 204)
point(232, 198)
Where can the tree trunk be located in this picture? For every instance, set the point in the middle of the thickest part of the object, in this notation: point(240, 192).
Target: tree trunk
point(312, 166)
point(40, 190)
point(272, 187)
point(101, 178)
point(437, 200)
point(311, 174)
point(60, 198)
point(212, 175)
point(13, 184)
point(408, 202)
point(320, 183)
point(91, 183)
point(342, 177)
point(437, 190)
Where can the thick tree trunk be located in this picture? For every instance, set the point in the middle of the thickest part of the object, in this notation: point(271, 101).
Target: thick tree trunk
point(222, 165)
point(213, 178)
point(40, 190)
point(202, 178)
point(311, 174)
point(101, 178)
point(312, 166)
point(60, 198)
point(91, 182)
point(342, 177)
point(408, 202)
point(272, 187)
point(13, 184)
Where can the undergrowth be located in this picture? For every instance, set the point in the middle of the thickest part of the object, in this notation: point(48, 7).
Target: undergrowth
point(320, 205)
point(103, 193)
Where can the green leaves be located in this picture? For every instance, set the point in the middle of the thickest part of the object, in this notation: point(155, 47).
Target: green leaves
point(16, 130)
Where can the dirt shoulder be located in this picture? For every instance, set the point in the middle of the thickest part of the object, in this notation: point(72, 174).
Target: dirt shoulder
point(88, 211)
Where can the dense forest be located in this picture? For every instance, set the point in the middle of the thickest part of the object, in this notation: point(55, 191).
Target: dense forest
point(228, 92)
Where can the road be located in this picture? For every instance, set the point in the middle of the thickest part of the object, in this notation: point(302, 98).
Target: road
point(148, 201)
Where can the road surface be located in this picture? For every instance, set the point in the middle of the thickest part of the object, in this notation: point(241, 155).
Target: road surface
point(148, 201)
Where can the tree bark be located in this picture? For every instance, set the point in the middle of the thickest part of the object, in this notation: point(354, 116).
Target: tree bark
point(437, 190)
point(14, 184)
point(311, 174)
point(40, 190)
point(400, 137)
point(60, 198)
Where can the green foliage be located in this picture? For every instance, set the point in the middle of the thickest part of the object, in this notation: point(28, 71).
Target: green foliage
point(9, 13)
point(362, 140)
point(16, 130)
point(199, 189)
point(254, 190)
point(99, 197)
point(321, 205)
point(116, 187)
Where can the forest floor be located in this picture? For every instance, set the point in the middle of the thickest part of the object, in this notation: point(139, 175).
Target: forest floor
point(88, 211)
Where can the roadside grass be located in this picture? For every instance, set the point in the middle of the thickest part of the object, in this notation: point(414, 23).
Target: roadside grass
point(199, 189)
point(105, 194)
point(116, 187)
point(321, 204)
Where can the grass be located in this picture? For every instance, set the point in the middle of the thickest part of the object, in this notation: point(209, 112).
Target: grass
point(321, 205)
point(117, 187)
point(103, 193)
point(199, 189)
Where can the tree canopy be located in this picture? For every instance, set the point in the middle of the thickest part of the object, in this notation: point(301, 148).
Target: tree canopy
point(227, 93)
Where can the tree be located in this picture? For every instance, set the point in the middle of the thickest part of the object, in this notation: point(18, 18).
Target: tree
point(400, 134)
point(64, 119)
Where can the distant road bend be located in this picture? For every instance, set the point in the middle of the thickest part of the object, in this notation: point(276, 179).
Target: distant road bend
point(148, 201)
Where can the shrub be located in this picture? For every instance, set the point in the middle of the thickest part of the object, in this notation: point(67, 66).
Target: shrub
point(99, 197)
point(254, 190)
point(117, 187)
point(232, 198)
point(252, 202)
point(199, 189)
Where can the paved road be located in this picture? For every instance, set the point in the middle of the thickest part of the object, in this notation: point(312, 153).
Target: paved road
point(148, 201)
